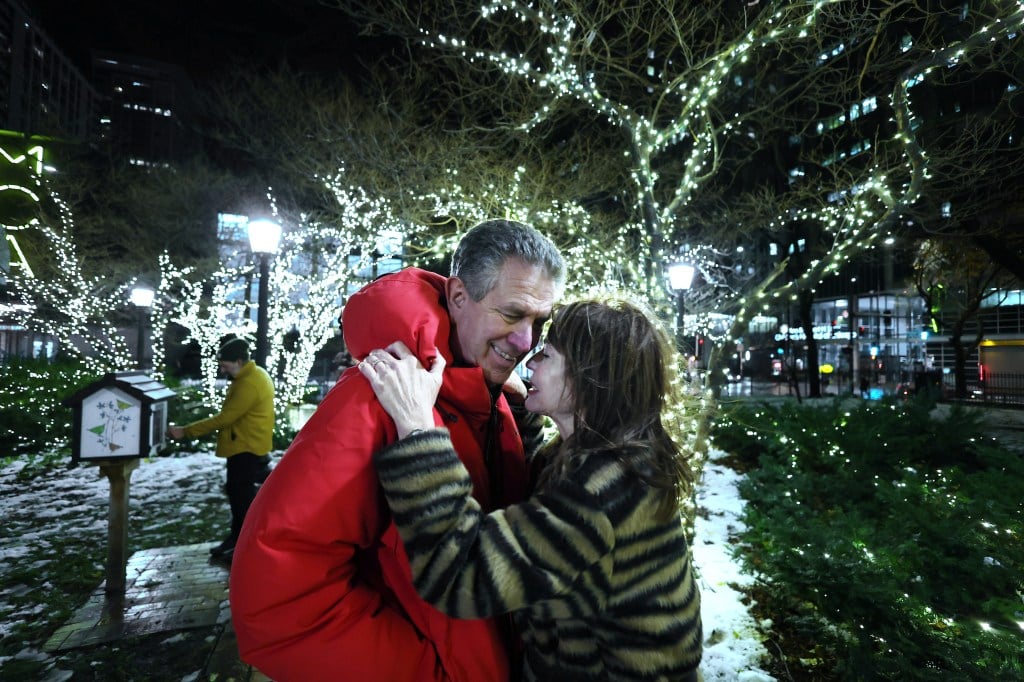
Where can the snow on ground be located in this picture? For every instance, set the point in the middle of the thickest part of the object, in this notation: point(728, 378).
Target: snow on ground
point(732, 646)
point(74, 501)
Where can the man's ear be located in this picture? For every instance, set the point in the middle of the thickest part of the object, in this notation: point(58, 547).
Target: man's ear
point(455, 292)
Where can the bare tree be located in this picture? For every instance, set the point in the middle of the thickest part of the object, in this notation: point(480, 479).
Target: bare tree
point(800, 116)
point(953, 281)
point(404, 137)
point(126, 216)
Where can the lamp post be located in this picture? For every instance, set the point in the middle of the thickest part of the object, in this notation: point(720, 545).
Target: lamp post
point(142, 298)
point(264, 236)
point(680, 277)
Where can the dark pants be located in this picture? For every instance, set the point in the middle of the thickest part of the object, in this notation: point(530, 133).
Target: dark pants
point(245, 472)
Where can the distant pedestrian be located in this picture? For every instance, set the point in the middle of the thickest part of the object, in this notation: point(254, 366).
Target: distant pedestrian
point(245, 427)
point(865, 387)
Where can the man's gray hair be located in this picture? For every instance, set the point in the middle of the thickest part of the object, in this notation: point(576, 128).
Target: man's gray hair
point(484, 249)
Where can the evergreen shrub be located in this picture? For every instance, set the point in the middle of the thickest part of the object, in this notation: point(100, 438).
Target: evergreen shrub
point(889, 540)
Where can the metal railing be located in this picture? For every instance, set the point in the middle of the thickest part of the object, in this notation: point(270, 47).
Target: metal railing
point(1003, 388)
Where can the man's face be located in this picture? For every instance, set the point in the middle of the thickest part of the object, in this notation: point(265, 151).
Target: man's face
point(495, 332)
point(229, 367)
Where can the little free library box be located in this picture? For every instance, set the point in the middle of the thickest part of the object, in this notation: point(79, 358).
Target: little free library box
point(122, 415)
point(118, 420)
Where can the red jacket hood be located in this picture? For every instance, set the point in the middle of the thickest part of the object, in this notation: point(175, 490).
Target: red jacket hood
point(407, 306)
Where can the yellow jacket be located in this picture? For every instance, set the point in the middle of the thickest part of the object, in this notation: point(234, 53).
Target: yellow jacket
point(245, 422)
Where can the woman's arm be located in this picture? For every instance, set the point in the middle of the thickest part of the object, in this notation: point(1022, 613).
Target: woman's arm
point(466, 563)
point(471, 565)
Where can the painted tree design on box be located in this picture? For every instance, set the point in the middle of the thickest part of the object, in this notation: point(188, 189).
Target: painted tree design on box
point(115, 421)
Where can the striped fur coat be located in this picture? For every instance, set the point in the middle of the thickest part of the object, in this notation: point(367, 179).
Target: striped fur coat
point(600, 589)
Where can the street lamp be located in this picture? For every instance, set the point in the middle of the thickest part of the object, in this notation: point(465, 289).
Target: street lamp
point(264, 236)
point(680, 277)
point(142, 298)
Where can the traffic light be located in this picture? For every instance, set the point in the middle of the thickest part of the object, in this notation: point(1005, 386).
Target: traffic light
point(933, 308)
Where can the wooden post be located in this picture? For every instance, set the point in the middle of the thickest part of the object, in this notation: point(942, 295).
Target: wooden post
point(119, 473)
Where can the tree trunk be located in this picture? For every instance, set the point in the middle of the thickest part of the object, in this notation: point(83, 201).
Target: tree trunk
point(807, 321)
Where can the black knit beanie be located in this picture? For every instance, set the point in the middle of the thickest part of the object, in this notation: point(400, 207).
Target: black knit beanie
point(233, 350)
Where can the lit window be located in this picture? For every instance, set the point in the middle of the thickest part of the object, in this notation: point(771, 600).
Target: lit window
point(947, 209)
point(906, 43)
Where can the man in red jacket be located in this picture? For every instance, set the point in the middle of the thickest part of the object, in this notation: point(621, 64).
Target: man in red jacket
point(320, 586)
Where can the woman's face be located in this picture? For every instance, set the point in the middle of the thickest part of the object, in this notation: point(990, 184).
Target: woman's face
point(550, 393)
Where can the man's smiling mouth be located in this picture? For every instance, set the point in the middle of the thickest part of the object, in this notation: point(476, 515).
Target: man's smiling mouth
point(502, 354)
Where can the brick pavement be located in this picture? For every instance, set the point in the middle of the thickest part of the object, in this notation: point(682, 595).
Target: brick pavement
point(166, 589)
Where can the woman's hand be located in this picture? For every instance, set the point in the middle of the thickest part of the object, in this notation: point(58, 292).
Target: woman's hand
point(404, 388)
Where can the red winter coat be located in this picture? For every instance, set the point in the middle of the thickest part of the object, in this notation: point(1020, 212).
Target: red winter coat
point(320, 583)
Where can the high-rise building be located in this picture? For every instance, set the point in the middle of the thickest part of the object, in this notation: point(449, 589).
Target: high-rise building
point(41, 91)
point(144, 108)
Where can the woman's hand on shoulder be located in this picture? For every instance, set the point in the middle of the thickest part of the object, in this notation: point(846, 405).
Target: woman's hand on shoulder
point(406, 390)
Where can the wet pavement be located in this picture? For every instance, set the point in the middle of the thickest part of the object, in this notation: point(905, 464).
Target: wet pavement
point(167, 589)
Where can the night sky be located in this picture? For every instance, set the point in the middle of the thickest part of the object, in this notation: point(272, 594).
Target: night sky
point(204, 36)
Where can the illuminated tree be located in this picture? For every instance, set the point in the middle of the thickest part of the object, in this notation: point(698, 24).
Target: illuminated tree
point(351, 168)
point(809, 105)
point(71, 307)
point(319, 263)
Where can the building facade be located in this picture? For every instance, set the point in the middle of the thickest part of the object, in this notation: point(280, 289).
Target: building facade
point(41, 91)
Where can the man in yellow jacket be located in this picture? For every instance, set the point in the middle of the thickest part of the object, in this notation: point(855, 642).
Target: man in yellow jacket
point(245, 427)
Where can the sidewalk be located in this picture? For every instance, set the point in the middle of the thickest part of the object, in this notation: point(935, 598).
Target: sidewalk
point(1005, 424)
point(169, 589)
